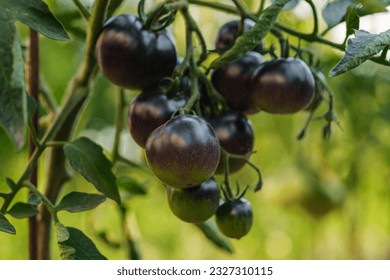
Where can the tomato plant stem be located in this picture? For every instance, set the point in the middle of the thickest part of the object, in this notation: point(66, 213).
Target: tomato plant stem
point(33, 88)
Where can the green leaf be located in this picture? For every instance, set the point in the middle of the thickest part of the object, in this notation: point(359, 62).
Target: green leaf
point(211, 232)
point(62, 232)
point(35, 14)
point(290, 5)
point(13, 104)
point(79, 247)
point(364, 46)
point(6, 226)
point(11, 184)
point(79, 202)
point(352, 20)
point(131, 186)
point(373, 6)
point(23, 210)
point(250, 39)
point(33, 199)
point(87, 158)
point(334, 12)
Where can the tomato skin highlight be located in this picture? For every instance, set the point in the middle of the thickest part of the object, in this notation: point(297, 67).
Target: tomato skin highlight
point(235, 135)
point(234, 218)
point(183, 152)
point(196, 204)
point(149, 110)
point(229, 32)
point(133, 57)
point(283, 86)
point(234, 82)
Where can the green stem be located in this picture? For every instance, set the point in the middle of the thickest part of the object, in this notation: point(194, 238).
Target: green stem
point(240, 7)
point(261, 8)
point(118, 124)
point(47, 96)
point(83, 11)
point(214, 5)
point(315, 17)
point(43, 198)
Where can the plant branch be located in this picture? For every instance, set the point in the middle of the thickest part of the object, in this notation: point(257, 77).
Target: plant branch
point(33, 88)
point(118, 124)
point(83, 11)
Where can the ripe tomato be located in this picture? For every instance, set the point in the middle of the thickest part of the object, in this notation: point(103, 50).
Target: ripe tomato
point(148, 111)
point(229, 32)
point(235, 135)
point(133, 57)
point(283, 86)
point(234, 82)
point(183, 152)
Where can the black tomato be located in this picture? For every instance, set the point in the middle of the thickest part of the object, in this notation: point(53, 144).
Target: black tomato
point(283, 86)
point(195, 204)
point(235, 135)
point(148, 111)
point(234, 218)
point(183, 152)
point(131, 56)
point(234, 82)
point(228, 33)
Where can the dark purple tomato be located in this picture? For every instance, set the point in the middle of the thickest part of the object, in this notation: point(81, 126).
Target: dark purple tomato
point(148, 111)
point(234, 82)
point(196, 204)
point(183, 152)
point(133, 57)
point(283, 86)
point(229, 32)
point(235, 135)
point(234, 218)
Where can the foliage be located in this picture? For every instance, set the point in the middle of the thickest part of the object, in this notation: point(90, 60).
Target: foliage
point(122, 178)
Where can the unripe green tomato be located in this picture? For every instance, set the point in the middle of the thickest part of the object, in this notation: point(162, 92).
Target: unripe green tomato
point(234, 218)
point(196, 204)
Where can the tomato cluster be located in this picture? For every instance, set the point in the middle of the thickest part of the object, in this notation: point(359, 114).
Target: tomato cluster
point(186, 150)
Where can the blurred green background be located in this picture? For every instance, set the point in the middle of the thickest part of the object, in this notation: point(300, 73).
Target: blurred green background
point(320, 200)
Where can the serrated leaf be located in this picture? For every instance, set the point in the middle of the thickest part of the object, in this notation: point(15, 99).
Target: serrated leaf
point(251, 38)
point(131, 186)
point(79, 202)
point(364, 46)
point(334, 12)
point(62, 232)
point(79, 247)
point(87, 158)
point(211, 232)
point(23, 210)
point(13, 104)
point(5, 225)
point(352, 20)
point(35, 14)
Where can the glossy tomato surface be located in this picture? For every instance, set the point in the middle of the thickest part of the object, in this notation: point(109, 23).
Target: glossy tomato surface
point(234, 82)
point(183, 152)
point(229, 32)
point(234, 218)
point(283, 86)
point(149, 110)
point(236, 136)
point(196, 204)
point(133, 57)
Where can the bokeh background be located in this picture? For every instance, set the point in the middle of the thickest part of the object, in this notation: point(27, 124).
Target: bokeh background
point(320, 200)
